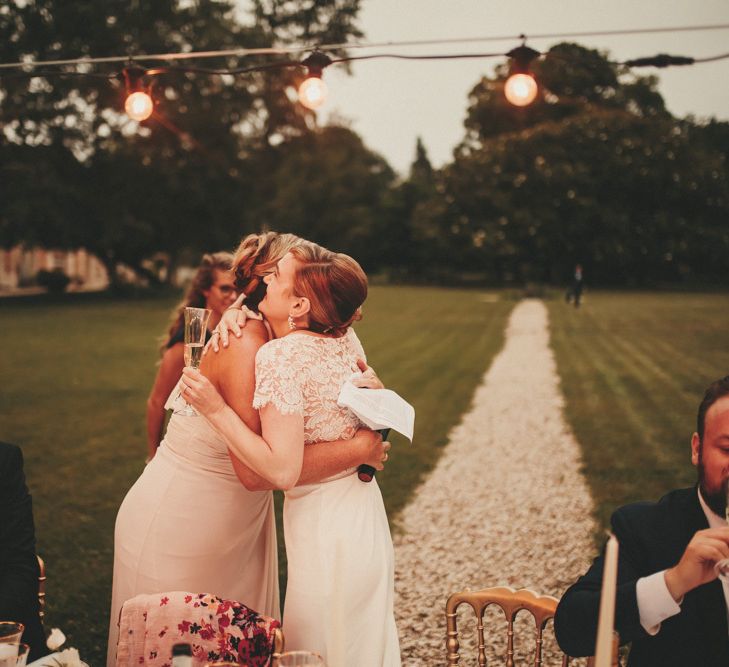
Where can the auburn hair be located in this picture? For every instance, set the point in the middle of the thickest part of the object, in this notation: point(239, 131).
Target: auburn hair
point(334, 284)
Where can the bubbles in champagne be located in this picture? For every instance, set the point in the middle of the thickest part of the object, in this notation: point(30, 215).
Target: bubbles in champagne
point(193, 354)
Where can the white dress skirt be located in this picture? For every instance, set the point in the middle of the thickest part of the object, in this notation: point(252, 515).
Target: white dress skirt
point(339, 596)
point(188, 524)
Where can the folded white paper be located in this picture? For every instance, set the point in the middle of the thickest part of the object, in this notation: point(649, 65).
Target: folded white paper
point(379, 408)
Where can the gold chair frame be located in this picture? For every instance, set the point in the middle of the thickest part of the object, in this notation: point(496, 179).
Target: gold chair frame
point(278, 646)
point(41, 588)
point(511, 602)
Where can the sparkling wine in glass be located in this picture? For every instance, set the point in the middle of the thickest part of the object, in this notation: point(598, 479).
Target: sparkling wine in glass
point(196, 325)
point(722, 566)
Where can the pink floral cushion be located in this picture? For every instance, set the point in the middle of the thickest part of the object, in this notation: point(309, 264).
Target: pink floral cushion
point(216, 629)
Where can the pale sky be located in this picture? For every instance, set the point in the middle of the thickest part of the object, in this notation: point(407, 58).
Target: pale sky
point(392, 102)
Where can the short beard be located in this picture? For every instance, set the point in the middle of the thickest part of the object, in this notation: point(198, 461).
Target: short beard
point(715, 500)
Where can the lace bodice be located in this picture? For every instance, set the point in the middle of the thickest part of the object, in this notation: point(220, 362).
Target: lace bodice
point(303, 374)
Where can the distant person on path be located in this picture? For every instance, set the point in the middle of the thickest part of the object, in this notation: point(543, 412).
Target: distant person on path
point(213, 288)
point(19, 568)
point(669, 604)
point(576, 291)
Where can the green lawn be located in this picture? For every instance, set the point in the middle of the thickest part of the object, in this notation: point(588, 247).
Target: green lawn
point(74, 384)
point(634, 367)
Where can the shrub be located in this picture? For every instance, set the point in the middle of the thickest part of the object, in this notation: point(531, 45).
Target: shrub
point(54, 281)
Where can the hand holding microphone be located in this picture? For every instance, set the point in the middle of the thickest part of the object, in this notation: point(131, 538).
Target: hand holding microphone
point(378, 408)
point(365, 472)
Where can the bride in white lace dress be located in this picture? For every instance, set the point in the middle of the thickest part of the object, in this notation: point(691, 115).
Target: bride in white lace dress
point(339, 599)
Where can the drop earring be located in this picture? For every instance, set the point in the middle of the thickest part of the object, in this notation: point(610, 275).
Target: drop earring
point(292, 324)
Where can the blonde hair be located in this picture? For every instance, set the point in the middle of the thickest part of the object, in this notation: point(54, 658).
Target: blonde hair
point(202, 281)
point(256, 256)
point(335, 285)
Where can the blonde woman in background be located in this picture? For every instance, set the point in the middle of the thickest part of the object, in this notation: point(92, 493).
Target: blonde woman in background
point(213, 288)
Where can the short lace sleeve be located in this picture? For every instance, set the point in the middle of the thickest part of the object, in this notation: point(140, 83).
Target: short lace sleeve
point(358, 349)
point(277, 382)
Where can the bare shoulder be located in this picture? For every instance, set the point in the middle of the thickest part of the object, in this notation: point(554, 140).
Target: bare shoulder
point(239, 350)
point(253, 335)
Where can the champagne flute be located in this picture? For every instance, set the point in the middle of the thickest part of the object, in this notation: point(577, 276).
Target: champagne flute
point(196, 325)
point(301, 659)
point(722, 566)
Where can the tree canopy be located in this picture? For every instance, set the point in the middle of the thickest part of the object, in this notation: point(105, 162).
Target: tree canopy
point(596, 172)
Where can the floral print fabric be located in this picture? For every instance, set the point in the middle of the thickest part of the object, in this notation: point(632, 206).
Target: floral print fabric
point(216, 629)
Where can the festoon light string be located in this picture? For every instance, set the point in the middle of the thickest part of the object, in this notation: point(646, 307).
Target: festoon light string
point(520, 88)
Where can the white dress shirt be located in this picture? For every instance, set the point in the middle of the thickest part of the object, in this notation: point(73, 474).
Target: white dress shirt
point(655, 603)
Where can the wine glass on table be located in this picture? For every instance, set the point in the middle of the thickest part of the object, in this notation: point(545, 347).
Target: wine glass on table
point(10, 634)
point(722, 566)
point(196, 325)
point(301, 659)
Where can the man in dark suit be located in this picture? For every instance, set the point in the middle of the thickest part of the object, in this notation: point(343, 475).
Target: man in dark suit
point(669, 602)
point(18, 563)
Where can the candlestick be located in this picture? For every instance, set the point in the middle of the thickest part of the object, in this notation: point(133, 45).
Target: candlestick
point(606, 619)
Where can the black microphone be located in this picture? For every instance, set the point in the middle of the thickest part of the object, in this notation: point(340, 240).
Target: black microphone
point(366, 473)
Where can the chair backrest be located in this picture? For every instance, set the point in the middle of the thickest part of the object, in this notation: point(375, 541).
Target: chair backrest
point(511, 602)
point(41, 588)
point(279, 644)
point(217, 630)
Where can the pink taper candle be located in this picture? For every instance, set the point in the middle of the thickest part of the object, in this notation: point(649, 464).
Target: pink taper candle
point(606, 619)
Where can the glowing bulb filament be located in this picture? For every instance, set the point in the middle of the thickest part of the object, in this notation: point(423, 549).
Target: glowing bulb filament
point(313, 93)
point(520, 89)
point(139, 106)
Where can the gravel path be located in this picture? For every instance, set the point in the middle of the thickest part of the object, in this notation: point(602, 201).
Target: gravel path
point(506, 504)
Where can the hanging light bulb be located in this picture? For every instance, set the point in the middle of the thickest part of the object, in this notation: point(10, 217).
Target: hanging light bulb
point(139, 104)
point(313, 91)
point(521, 87)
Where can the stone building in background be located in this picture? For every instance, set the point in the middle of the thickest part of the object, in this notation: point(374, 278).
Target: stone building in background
point(19, 267)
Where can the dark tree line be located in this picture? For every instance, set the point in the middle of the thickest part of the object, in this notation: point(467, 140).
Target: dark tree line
point(596, 171)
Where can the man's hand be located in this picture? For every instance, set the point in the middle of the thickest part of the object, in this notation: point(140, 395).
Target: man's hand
point(374, 448)
point(696, 566)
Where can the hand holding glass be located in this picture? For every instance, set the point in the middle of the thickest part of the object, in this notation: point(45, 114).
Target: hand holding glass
point(196, 325)
point(722, 566)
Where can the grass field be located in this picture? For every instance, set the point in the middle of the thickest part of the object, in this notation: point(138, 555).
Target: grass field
point(75, 378)
point(634, 367)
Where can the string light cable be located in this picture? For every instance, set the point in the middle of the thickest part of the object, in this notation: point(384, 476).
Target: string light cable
point(520, 87)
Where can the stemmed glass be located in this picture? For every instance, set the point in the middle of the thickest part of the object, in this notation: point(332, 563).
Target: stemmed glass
point(722, 566)
point(301, 659)
point(196, 324)
point(10, 634)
